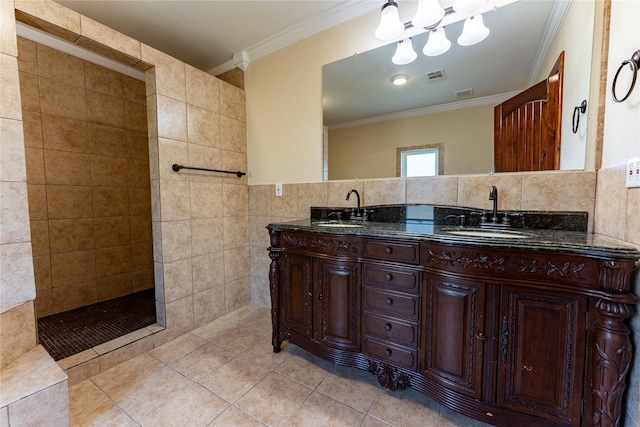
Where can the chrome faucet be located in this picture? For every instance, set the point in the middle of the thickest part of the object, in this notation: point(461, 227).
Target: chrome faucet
point(358, 196)
point(493, 195)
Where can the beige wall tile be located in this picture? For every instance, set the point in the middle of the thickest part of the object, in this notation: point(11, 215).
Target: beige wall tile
point(44, 303)
point(235, 200)
point(141, 256)
point(40, 237)
point(233, 134)
point(208, 305)
point(170, 152)
point(72, 267)
point(42, 272)
point(37, 202)
point(103, 80)
point(12, 155)
point(8, 43)
point(632, 224)
point(34, 158)
point(260, 291)
point(73, 296)
point(383, 191)
point(142, 279)
point(338, 190)
point(107, 140)
point(237, 294)
point(177, 279)
point(32, 128)
point(236, 263)
point(208, 272)
point(258, 233)
point(611, 202)
point(135, 116)
point(140, 226)
point(203, 126)
point(17, 283)
point(473, 191)
point(260, 199)
point(27, 58)
point(232, 102)
point(170, 77)
point(134, 90)
point(205, 157)
point(110, 38)
point(65, 168)
point(113, 286)
point(233, 161)
point(236, 231)
point(29, 92)
point(207, 235)
point(439, 190)
point(559, 191)
point(108, 171)
point(152, 111)
point(69, 201)
point(203, 90)
point(179, 320)
point(311, 195)
point(10, 105)
point(105, 109)
point(113, 261)
point(17, 332)
point(206, 200)
point(137, 145)
point(176, 240)
point(52, 13)
point(139, 201)
point(67, 235)
point(14, 212)
point(286, 205)
point(111, 231)
point(57, 65)
point(64, 134)
point(175, 200)
point(62, 99)
point(110, 201)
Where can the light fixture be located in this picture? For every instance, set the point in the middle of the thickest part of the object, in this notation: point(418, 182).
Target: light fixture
point(404, 53)
point(400, 79)
point(437, 43)
point(429, 13)
point(473, 32)
point(468, 6)
point(390, 24)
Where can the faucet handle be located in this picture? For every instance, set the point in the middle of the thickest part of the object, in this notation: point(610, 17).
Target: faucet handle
point(460, 217)
point(483, 216)
point(336, 214)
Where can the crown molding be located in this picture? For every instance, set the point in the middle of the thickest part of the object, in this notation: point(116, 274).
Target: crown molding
point(459, 105)
point(339, 14)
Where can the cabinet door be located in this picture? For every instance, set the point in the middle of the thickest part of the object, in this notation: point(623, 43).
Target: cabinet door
point(338, 304)
point(454, 328)
point(542, 349)
point(296, 293)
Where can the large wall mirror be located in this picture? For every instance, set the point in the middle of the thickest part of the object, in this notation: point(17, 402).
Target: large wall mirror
point(449, 99)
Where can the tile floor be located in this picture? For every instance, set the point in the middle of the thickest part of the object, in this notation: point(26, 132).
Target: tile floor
point(226, 374)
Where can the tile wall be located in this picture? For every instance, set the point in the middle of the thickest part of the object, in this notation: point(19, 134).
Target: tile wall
point(86, 145)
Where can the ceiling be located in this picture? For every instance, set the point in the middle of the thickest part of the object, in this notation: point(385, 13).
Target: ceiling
point(219, 35)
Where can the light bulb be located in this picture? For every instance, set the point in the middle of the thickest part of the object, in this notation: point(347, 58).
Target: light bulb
point(437, 43)
point(468, 6)
point(404, 53)
point(390, 24)
point(473, 32)
point(400, 79)
point(428, 14)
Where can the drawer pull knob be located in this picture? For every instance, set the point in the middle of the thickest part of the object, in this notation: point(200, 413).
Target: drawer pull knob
point(387, 327)
point(388, 250)
point(388, 301)
point(388, 277)
point(388, 352)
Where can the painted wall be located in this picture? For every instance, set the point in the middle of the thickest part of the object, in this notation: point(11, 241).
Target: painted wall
point(369, 151)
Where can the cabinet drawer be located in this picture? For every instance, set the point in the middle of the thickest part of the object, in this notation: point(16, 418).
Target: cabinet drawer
point(392, 251)
point(392, 303)
point(389, 329)
point(389, 353)
point(404, 280)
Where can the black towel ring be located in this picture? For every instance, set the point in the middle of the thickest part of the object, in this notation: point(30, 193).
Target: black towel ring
point(634, 63)
point(576, 115)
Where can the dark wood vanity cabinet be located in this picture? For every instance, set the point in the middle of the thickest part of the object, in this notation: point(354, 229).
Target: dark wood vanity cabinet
point(505, 335)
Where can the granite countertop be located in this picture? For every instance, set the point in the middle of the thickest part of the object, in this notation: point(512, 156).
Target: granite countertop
point(579, 242)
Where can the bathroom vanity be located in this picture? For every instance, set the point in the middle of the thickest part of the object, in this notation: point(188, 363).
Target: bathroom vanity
point(524, 330)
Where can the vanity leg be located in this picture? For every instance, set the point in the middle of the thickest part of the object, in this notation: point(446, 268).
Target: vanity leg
point(274, 286)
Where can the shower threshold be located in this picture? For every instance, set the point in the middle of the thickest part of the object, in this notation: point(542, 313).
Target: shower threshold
point(71, 332)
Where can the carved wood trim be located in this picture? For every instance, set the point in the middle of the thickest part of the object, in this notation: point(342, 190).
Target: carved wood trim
point(324, 244)
point(388, 376)
point(274, 288)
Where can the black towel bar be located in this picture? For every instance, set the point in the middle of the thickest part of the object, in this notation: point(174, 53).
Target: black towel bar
point(176, 167)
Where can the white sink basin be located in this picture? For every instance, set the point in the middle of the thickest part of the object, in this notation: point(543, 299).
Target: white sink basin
point(502, 234)
point(337, 224)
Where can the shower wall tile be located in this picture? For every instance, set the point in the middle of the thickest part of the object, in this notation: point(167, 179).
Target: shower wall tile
point(66, 168)
point(139, 200)
point(37, 202)
point(28, 59)
point(32, 129)
point(172, 118)
point(208, 272)
point(72, 267)
point(68, 201)
point(142, 279)
point(34, 160)
point(205, 199)
point(8, 43)
point(135, 116)
point(113, 287)
point(113, 44)
point(170, 77)
point(175, 200)
point(233, 134)
point(232, 102)
point(113, 261)
point(12, 155)
point(103, 80)
point(40, 237)
point(44, 303)
point(203, 126)
point(104, 109)
point(134, 90)
point(73, 296)
point(236, 231)
point(176, 240)
point(67, 235)
point(57, 65)
point(62, 99)
point(171, 152)
point(110, 201)
point(42, 272)
point(107, 140)
point(51, 15)
point(29, 92)
point(204, 157)
point(137, 145)
point(10, 106)
point(112, 231)
point(138, 173)
point(207, 235)
point(233, 161)
point(16, 264)
point(202, 90)
point(14, 212)
point(18, 326)
point(177, 279)
point(64, 134)
point(235, 200)
point(141, 256)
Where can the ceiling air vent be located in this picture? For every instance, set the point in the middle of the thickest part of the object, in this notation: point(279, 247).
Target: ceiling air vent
point(435, 75)
point(463, 92)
